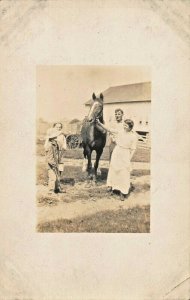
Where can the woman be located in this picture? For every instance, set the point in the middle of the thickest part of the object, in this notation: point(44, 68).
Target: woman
point(119, 170)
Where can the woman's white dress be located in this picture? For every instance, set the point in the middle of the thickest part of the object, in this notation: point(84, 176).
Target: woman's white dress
point(119, 170)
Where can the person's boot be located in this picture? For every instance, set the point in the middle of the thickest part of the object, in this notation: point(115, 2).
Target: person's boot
point(132, 188)
point(62, 191)
point(123, 196)
point(109, 189)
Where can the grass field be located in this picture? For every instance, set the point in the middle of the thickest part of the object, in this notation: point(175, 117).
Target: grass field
point(103, 213)
point(75, 173)
point(141, 154)
point(132, 220)
point(90, 208)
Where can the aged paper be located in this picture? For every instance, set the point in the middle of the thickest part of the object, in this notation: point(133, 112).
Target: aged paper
point(95, 266)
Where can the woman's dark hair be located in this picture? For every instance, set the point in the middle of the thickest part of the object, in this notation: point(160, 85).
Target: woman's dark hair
point(129, 122)
point(58, 123)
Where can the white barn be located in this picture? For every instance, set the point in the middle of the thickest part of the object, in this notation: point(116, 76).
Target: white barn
point(133, 99)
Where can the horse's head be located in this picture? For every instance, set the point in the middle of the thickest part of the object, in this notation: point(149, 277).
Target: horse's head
point(96, 109)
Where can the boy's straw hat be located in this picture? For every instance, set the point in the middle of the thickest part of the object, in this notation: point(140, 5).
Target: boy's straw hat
point(53, 134)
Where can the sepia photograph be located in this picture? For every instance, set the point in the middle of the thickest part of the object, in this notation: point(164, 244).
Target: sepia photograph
point(95, 150)
point(93, 147)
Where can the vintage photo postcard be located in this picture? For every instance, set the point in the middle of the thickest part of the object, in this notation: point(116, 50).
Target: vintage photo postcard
point(93, 149)
point(95, 173)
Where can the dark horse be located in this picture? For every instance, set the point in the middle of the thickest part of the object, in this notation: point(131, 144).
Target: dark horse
point(93, 136)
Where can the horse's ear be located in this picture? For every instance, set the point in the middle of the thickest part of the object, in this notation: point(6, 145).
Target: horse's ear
point(93, 96)
point(101, 96)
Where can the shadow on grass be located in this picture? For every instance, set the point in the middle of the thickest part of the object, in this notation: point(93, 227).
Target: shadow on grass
point(75, 173)
point(131, 220)
point(82, 193)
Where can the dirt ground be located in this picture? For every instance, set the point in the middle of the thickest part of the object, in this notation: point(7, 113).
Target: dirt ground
point(87, 207)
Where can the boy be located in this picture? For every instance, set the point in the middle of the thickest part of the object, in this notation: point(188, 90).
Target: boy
point(53, 157)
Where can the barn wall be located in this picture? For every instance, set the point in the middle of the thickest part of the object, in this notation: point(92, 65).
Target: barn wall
point(137, 111)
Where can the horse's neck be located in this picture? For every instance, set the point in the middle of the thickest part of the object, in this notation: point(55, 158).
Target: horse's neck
point(91, 129)
point(101, 118)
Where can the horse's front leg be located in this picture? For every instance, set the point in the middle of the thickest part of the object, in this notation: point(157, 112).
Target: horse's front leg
point(89, 166)
point(85, 162)
point(98, 155)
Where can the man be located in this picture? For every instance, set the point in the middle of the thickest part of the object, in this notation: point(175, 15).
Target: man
point(116, 124)
point(54, 153)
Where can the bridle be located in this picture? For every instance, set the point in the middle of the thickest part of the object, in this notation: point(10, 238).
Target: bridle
point(93, 116)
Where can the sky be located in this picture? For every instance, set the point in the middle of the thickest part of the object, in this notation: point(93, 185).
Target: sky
point(63, 90)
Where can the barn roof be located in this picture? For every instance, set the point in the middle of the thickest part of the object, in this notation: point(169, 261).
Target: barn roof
point(135, 92)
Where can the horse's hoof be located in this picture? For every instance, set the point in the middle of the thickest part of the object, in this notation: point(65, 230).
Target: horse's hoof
point(99, 172)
